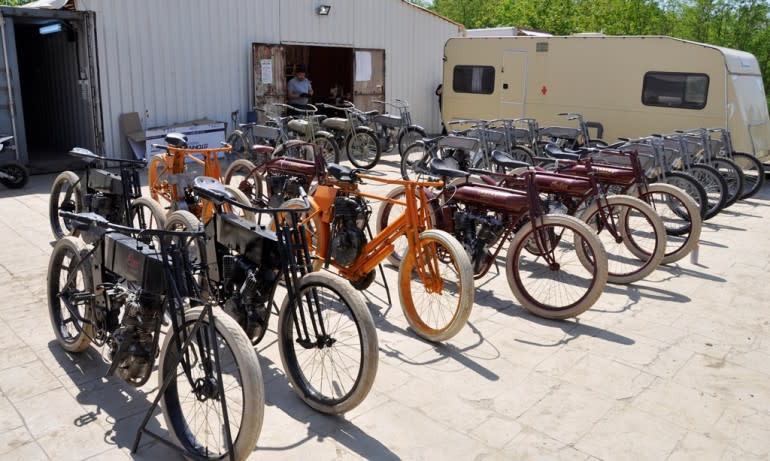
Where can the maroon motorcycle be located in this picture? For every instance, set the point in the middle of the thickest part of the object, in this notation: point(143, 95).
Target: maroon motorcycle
point(555, 265)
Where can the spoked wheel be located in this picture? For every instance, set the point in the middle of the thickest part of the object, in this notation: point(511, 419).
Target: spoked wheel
point(414, 162)
point(328, 148)
point(16, 175)
point(243, 175)
point(691, 187)
point(192, 402)
point(407, 138)
point(240, 145)
point(753, 173)
point(328, 344)
point(147, 214)
point(65, 196)
point(438, 306)
point(632, 234)
point(522, 154)
point(363, 149)
point(680, 216)
point(553, 283)
point(69, 288)
point(715, 185)
point(733, 177)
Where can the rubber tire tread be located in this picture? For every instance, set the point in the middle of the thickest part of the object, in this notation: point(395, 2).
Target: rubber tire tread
point(251, 375)
point(367, 332)
point(465, 304)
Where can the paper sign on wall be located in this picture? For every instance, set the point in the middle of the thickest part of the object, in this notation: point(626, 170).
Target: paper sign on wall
point(267, 71)
point(363, 66)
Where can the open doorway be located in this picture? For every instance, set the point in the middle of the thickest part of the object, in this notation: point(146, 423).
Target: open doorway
point(352, 74)
point(56, 102)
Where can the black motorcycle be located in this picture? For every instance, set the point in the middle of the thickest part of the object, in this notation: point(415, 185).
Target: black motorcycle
point(114, 288)
point(116, 196)
point(326, 335)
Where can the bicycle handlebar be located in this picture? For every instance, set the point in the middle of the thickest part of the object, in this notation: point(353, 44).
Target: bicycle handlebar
point(97, 220)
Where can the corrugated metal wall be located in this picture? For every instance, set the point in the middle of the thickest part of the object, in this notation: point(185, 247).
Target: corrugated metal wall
point(177, 60)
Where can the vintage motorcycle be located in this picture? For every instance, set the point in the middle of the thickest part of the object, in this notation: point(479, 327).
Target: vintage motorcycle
point(116, 196)
point(114, 288)
point(326, 335)
point(556, 266)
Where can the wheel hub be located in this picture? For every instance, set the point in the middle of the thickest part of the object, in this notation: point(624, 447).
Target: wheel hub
point(206, 388)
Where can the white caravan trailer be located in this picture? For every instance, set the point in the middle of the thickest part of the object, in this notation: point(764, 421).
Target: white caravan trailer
point(633, 86)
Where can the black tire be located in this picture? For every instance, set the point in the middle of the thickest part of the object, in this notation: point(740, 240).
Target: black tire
point(715, 186)
point(242, 174)
point(65, 196)
point(572, 287)
point(408, 137)
point(414, 162)
point(437, 314)
point(192, 417)
point(328, 148)
point(68, 256)
point(147, 214)
point(633, 238)
point(690, 186)
point(753, 173)
point(363, 149)
point(733, 178)
point(680, 215)
point(352, 344)
point(19, 175)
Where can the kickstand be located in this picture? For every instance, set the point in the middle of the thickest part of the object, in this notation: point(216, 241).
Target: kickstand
point(385, 284)
point(382, 271)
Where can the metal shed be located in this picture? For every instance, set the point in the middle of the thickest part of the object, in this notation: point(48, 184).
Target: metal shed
point(177, 60)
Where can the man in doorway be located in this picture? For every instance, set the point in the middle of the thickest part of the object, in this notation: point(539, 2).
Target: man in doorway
point(299, 88)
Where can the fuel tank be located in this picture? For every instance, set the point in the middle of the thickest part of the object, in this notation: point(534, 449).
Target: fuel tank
point(292, 166)
point(492, 197)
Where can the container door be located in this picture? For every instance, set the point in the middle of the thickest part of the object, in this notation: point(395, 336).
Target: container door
point(369, 78)
point(88, 80)
point(512, 84)
point(269, 75)
point(8, 97)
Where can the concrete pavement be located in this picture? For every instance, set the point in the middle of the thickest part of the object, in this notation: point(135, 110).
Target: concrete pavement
point(675, 367)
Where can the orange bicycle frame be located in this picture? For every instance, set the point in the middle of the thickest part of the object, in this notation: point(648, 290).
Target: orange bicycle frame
point(414, 220)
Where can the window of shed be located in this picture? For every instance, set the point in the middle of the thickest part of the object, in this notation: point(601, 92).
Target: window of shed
point(674, 89)
point(473, 79)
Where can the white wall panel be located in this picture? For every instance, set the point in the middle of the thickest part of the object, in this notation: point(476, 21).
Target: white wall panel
point(177, 60)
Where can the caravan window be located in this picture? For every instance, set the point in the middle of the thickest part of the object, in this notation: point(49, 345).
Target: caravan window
point(473, 79)
point(673, 89)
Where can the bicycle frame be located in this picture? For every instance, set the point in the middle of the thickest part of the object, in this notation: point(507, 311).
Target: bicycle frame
point(170, 183)
point(168, 283)
point(413, 221)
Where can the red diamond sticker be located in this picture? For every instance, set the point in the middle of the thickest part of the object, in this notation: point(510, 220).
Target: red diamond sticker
point(544, 90)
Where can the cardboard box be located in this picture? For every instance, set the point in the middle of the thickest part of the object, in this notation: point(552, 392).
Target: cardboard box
point(201, 134)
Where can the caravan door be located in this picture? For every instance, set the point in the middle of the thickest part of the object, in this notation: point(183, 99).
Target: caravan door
point(513, 84)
